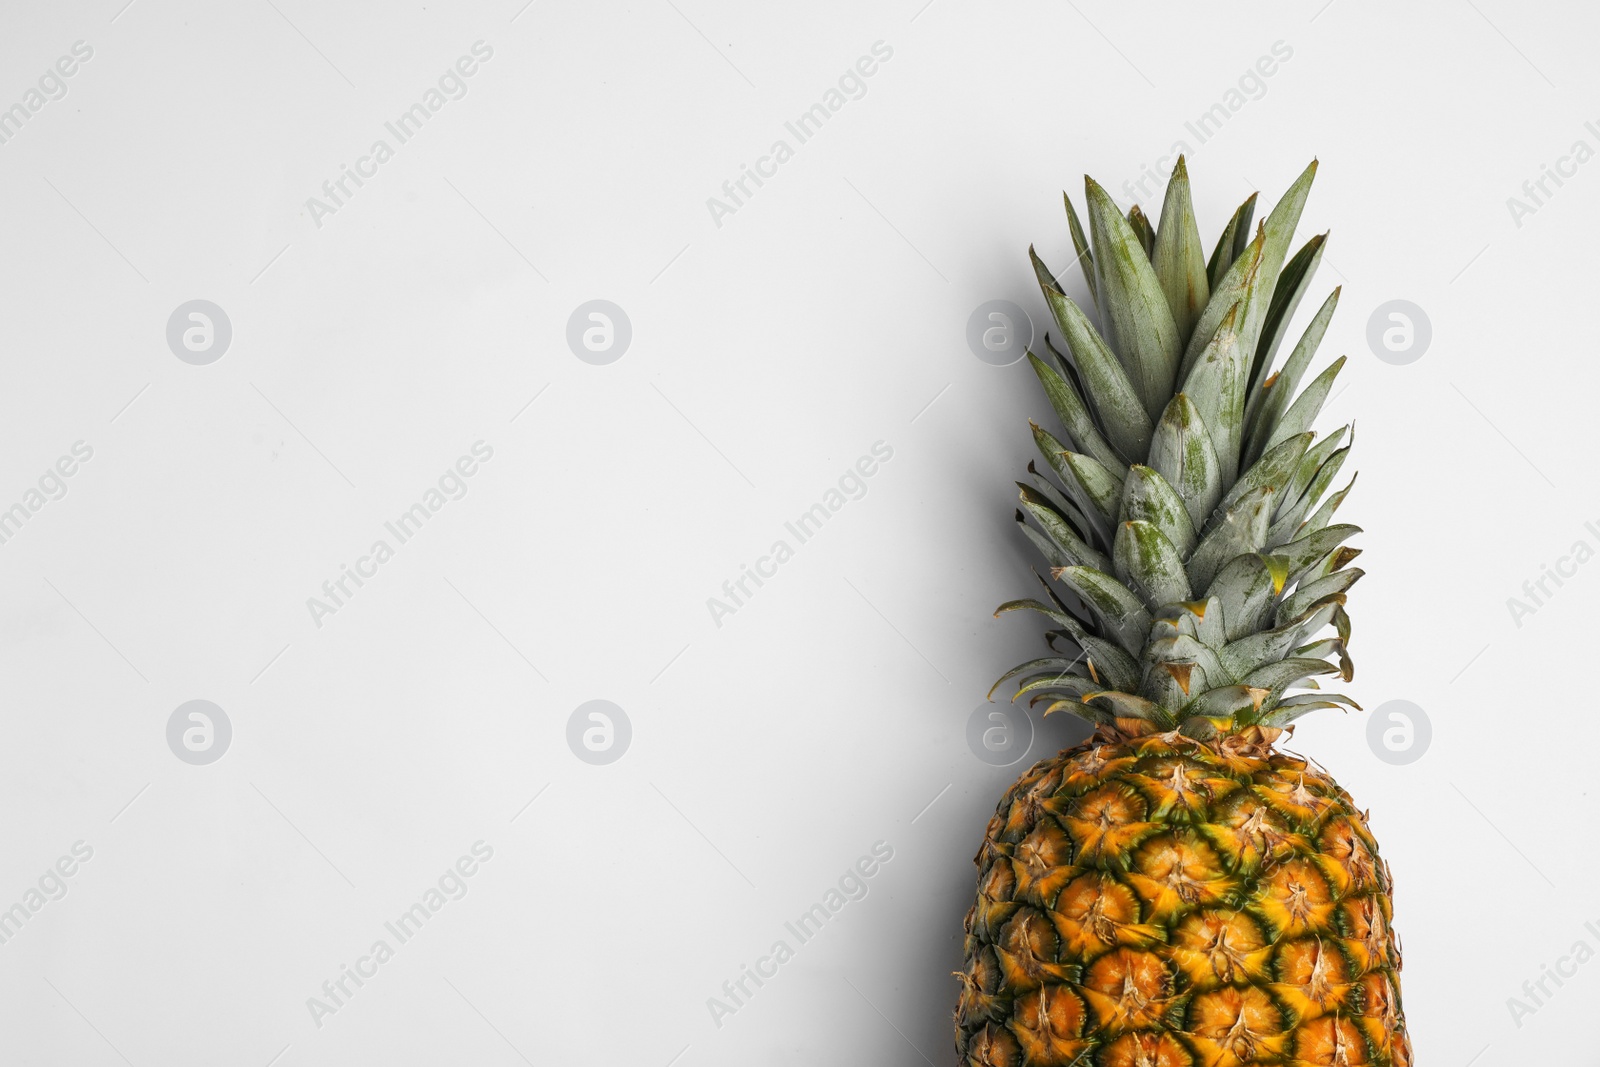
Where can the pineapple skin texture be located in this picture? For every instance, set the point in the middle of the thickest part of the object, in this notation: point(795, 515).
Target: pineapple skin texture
point(1158, 901)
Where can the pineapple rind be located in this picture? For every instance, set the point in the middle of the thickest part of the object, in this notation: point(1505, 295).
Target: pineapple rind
point(1160, 900)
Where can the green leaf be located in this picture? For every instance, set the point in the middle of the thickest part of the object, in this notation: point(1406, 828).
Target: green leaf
point(1051, 551)
point(1286, 296)
point(1246, 589)
point(1128, 706)
point(1142, 333)
point(1075, 550)
point(1216, 387)
point(1178, 258)
point(1149, 562)
point(1140, 225)
point(1253, 277)
point(1099, 483)
point(1224, 702)
point(1284, 529)
point(1083, 505)
point(1309, 593)
point(1329, 506)
point(1181, 452)
point(1235, 237)
point(1075, 685)
point(1232, 292)
point(1275, 469)
point(1279, 230)
point(1286, 712)
point(1201, 620)
point(1309, 465)
point(1241, 531)
point(1267, 404)
point(1148, 497)
point(1123, 616)
point(1058, 500)
point(1309, 550)
point(1107, 663)
point(1074, 415)
point(1303, 412)
point(1250, 653)
point(1082, 711)
point(1278, 676)
point(1330, 647)
point(1127, 424)
point(1081, 245)
point(1030, 604)
point(1178, 669)
point(1052, 663)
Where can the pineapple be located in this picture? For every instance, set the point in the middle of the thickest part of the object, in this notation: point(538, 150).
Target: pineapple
point(1174, 891)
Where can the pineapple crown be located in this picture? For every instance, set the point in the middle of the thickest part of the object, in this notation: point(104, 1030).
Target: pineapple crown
point(1186, 522)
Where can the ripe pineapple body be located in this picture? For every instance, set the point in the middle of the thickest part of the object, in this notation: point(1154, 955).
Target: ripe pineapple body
point(1161, 901)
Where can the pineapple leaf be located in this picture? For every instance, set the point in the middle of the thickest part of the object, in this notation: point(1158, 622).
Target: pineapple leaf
point(1232, 241)
point(1107, 663)
point(1306, 552)
point(1225, 702)
point(1074, 416)
point(1329, 506)
point(1286, 296)
point(1284, 528)
point(1321, 589)
point(1075, 685)
point(1233, 292)
point(1272, 470)
point(1081, 710)
point(1200, 619)
point(1051, 663)
point(1081, 245)
point(1254, 275)
point(1128, 706)
point(1267, 404)
point(1330, 647)
point(1121, 412)
point(1178, 258)
point(1149, 562)
point(1132, 305)
point(1058, 500)
point(1076, 552)
point(1216, 386)
point(1241, 531)
point(1099, 483)
point(1241, 657)
point(1246, 588)
point(1181, 452)
point(1140, 225)
point(1148, 497)
point(1276, 677)
point(1047, 548)
point(1119, 611)
point(1303, 412)
point(1304, 473)
point(1098, 528)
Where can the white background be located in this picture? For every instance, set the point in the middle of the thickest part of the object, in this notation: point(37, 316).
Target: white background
point(768, 353)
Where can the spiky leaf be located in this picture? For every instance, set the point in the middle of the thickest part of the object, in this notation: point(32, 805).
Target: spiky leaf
point(1232, 242)
point(1181, 452)
point(1141, 330)
point(1150, 564)
point(1148, 497)
point(1178, 258)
